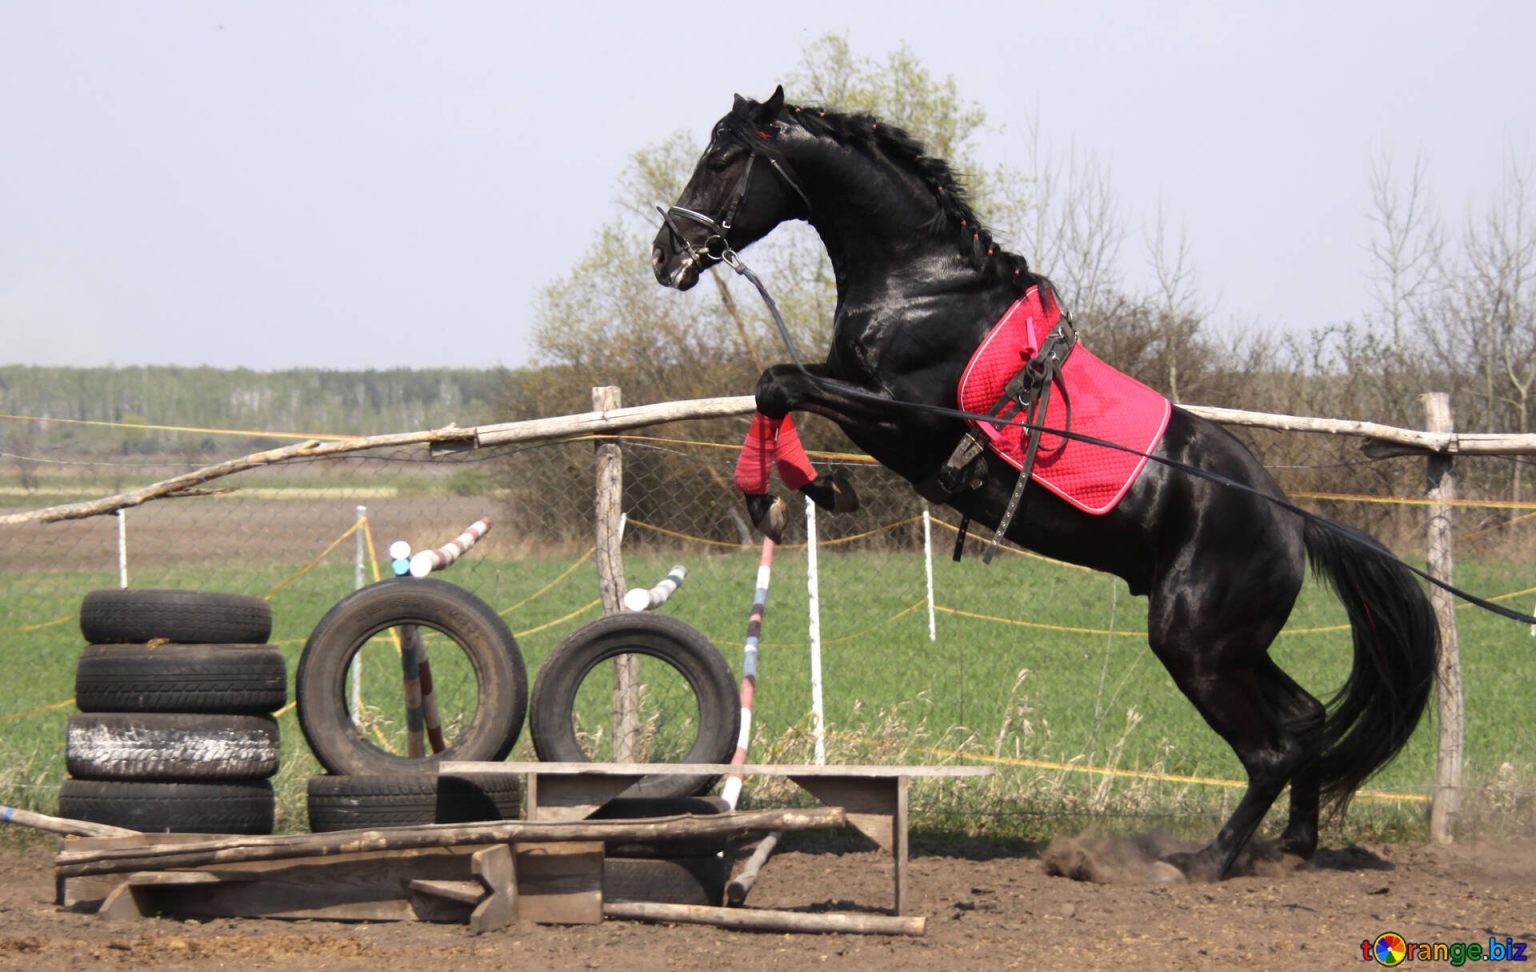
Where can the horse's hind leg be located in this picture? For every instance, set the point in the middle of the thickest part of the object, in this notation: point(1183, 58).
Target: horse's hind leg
point(1303, 715)
point(1261, 713)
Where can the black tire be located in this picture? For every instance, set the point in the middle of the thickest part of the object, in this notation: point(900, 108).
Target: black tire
point(365, 802)
point(694, 881)
point(170, 746)
point(236, 679)
point(489, 659)
point(180, 808)
point(640, 808)
point(552, 720)
point(128, 616)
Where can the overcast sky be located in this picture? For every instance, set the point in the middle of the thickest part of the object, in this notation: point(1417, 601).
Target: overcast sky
point(367, 185)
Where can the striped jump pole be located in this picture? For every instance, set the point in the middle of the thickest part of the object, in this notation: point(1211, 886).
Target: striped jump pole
point(427, 561)
point(423, 724)
point(731, 791)
point(640, 599)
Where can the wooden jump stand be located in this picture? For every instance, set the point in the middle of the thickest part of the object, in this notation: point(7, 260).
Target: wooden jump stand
point(486, 874)
point(873, 797)
point(547, 868)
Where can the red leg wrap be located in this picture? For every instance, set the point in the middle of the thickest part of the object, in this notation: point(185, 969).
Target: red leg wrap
point(793, 464)
point(755, 464)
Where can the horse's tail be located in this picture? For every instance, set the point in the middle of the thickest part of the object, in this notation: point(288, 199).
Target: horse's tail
point(1397, 649)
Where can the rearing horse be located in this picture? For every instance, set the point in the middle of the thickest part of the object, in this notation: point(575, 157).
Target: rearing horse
point(919, 285)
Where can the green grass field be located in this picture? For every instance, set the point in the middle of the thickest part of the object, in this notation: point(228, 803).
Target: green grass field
point(1077, 686)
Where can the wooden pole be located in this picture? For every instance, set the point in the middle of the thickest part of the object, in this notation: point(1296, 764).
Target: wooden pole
point(61, 825)
point(610, 582)
point(1442, 488)
point(759, 919)
point(452, 438)
point(741, 885)
point(114, 856)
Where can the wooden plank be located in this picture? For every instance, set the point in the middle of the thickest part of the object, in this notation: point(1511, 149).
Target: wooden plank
point(496, 869)
point(464, 892)
point(560, 883)
point(365, 887)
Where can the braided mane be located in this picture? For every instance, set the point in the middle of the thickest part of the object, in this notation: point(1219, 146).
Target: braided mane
point(973, 241)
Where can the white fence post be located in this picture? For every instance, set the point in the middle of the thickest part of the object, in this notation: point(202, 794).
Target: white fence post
point(813, 608)
point(122, 548)
point(933, 631)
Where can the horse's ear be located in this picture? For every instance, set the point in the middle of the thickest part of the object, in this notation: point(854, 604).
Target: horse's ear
point(770, 109)
point(739, 105)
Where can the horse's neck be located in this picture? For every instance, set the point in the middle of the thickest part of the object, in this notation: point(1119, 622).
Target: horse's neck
point(872, 221)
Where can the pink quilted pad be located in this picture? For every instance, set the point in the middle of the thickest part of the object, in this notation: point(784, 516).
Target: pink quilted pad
point(1106, 404)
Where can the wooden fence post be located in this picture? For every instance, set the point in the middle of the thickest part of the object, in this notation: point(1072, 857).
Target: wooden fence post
point(610, 581)
point(1442, 489)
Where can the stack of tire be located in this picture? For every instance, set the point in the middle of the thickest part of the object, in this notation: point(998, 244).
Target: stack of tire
point(175, 732)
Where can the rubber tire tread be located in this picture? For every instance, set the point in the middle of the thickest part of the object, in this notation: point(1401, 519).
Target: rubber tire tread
point(411, 799)
point(171, 746)
point(551, 718)
point(693, 881)
point(245, 807)
point(639, 808)
point(140, 615)
point(502, 678)
point(226, 678)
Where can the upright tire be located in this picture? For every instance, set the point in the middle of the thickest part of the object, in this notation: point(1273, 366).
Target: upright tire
point(129, 615)
point(486, 652)
point(552, 721)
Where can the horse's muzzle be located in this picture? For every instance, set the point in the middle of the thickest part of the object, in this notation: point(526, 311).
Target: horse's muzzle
point(677, 269)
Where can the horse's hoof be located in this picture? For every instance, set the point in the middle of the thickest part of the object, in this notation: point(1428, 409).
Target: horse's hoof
point(770, 515)
point(1301, 845)
point(834, 493)
point(1200, 865)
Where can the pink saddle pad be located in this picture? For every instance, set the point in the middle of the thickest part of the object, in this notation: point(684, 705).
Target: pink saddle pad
point(1106, 404)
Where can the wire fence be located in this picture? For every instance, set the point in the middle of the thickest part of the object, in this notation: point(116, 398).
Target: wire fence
point(1038, 667)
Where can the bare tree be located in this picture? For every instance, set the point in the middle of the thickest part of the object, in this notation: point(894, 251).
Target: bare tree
point(1406, 245)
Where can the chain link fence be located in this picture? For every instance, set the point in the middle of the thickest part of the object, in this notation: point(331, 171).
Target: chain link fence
point(1038, 667)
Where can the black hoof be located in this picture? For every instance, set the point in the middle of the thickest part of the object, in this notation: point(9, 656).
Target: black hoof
point(1200, 865)
point(1301, 845)
point(834, 493)
point(769, 514)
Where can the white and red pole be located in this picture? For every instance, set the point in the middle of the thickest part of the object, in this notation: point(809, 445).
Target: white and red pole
point(731, 791)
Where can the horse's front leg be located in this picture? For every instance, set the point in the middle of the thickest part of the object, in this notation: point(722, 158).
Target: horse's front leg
point(773, 442)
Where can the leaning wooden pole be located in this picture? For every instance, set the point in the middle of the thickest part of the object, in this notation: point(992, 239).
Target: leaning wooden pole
point(609, 468)
point(81, 858)
point(1442, 490)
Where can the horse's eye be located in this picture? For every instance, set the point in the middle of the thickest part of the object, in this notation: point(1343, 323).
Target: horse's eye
point(719, 163)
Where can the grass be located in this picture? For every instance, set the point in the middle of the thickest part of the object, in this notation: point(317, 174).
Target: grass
point(1077, 688)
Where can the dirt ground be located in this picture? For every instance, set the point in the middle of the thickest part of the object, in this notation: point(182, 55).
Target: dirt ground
point(988, 910)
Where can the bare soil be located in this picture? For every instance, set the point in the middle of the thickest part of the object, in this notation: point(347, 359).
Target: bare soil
point(989, 910)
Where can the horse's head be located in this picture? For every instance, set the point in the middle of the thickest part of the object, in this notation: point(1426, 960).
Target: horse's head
point(741, 188)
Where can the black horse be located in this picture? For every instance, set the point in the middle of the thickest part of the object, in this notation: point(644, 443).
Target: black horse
point(919, 284)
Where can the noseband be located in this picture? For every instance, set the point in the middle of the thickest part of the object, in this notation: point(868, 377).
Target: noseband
point(716, 246)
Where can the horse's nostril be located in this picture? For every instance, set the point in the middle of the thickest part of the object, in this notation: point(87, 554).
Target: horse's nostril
point(658, 257)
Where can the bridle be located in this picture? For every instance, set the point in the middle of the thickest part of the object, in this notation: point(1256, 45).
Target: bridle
point(716, 245)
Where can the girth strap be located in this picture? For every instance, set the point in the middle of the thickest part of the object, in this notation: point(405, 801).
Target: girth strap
point(1025, 398)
